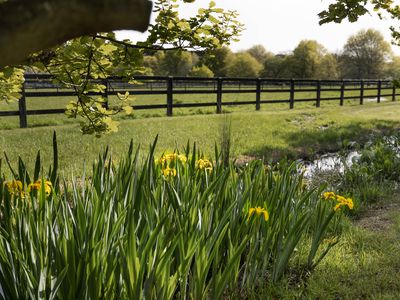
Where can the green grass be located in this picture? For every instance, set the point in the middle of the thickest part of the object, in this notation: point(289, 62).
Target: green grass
point(61, 102)
point(364, 265)
point(302, 132)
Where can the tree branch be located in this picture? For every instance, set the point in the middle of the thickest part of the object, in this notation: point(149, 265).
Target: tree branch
point(129, 45)
point(28, 26)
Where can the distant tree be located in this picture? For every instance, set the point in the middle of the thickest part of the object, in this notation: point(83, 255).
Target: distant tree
point(259, 53)
point(243, 65)
point(393, 68)
point(217, 60)
point(150, 65)
point(175, 63)
point(307, 59)
point(365, 55)
point(329, 67)
point(201, 71)
point(276, 66)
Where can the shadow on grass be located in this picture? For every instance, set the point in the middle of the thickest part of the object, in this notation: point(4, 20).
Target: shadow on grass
point(309, 143)
point(361, 266)
point(364, 267)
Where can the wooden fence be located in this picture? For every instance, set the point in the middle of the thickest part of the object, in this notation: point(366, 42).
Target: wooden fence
point(42, 86)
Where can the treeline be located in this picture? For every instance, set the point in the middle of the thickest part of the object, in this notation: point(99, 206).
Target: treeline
point(365, 55)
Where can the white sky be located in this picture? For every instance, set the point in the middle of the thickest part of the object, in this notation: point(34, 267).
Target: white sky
point(279, 25)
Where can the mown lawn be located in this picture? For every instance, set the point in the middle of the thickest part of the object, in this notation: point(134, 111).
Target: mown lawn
point(302, 132)
point(61, 102)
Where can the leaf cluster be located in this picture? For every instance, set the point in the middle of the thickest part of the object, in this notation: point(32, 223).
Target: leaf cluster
point(352, 10)
point(11, 80)
point(210, 28)
point(83, 64)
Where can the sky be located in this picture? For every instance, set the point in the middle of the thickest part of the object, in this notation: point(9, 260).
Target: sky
point(279, 25)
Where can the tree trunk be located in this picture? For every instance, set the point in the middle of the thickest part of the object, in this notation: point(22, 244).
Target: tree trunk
point(27, 26)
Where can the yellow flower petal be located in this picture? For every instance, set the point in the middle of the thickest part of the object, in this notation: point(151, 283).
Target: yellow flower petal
point(14, 187)
point(258, 211)
point(204, 164)
point(167, 172)
point(329, 195)
point(37, 186)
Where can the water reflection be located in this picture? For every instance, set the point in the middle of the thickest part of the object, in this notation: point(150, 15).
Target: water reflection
point(330, 161)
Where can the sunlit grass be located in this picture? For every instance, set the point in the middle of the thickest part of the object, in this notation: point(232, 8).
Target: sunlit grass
point(61, 102)
point(363, 265)
point(265, 134)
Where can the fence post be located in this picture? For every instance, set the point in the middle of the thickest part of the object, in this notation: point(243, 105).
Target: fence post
point(258, 94)
point(291, 93)
point(394, 92)
point(105, 94)
point(318, 104)
point(378, 99)
point(23, 123)
point(170, 95)
point(362, 92)
point(219, 95)
point(342, 93)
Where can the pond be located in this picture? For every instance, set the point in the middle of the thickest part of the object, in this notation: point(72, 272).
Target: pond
point(328, 162)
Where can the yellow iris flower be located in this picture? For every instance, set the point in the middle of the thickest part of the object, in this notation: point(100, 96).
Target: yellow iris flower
point(182, 158)
point(37, 186)
point(204, 164)
point(329, 196)
point(171, 157)
point(14, 187)
point(341, 201)
point(258, 211)
point(169, 172)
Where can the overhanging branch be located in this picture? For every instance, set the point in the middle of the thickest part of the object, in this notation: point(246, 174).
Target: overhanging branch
point(28, 26)
point(132, 46)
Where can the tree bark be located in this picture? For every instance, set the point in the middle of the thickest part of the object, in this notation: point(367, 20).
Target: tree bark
point(28, 26)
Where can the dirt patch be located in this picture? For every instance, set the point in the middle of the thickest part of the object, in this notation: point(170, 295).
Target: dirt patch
point(375, 99)
point(379, 218)
point(243, 160)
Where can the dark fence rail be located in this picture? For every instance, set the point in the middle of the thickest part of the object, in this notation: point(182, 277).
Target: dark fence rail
point(43, 86)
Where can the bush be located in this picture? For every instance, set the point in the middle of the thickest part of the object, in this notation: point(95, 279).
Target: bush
point(201, 71)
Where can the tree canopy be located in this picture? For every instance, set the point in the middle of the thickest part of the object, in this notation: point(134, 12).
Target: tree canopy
point(307, 58)
point(243, 65)
point(93, 54)
point(259, 53)
point(365, 55)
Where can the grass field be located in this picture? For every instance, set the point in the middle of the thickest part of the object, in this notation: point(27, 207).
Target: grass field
point(361, 266)
point(271, 134)
point(61, 102)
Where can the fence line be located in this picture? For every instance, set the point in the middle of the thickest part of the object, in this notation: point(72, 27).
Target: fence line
point(42, 86)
